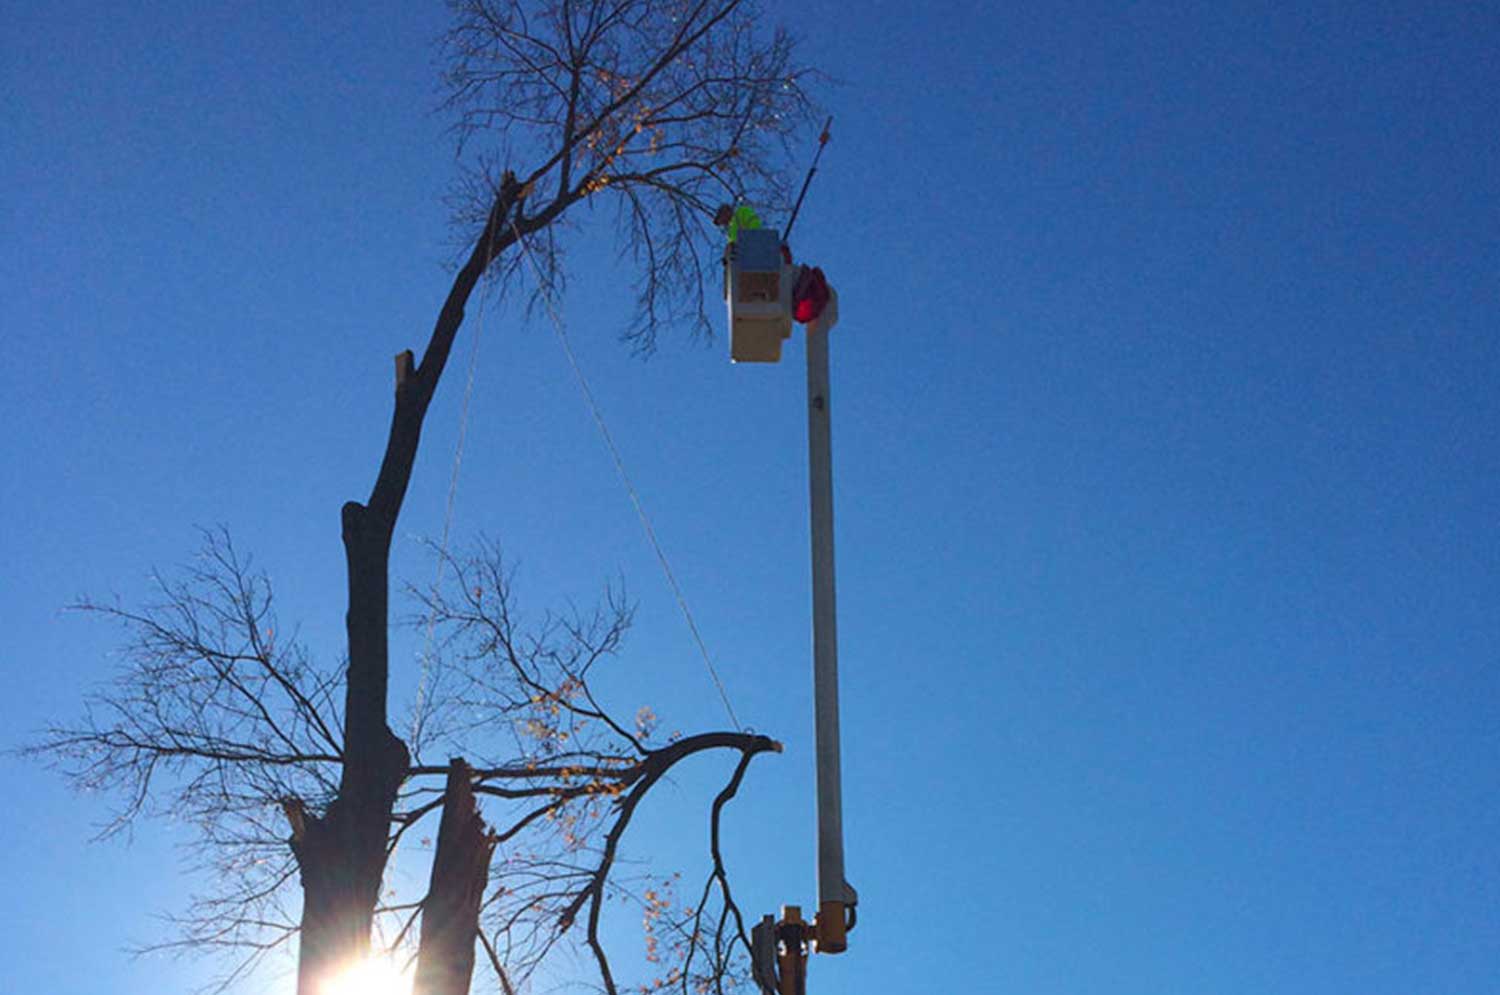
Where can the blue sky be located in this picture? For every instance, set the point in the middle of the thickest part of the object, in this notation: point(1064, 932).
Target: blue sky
point(1167, 465)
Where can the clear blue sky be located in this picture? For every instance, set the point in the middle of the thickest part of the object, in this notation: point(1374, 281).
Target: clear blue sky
point(1167, 444)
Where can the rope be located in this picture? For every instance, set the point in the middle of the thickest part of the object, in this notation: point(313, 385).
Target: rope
point(635, 498)
point(418, 717)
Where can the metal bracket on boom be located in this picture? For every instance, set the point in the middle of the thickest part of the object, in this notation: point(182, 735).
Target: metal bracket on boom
point(780, 947)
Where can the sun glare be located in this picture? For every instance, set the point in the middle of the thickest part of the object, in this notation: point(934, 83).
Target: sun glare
point(375, 976)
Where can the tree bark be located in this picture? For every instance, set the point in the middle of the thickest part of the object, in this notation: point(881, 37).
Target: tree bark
point(450, 913)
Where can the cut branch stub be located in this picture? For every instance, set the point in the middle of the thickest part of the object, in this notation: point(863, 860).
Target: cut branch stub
point(450, 912)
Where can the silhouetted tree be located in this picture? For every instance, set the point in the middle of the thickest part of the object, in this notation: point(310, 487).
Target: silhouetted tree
point(663, 109)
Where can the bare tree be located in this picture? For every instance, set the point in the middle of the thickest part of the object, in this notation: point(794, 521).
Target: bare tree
point(659, 109)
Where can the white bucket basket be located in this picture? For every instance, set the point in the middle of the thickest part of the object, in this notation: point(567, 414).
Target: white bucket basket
point(758, 292)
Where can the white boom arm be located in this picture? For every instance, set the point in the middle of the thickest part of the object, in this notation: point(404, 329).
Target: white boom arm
point(834, 893)
point(757, 326)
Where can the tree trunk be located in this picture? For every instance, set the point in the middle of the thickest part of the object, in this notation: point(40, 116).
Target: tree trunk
point(450, 913)
point(341, 855)
point(342, 858)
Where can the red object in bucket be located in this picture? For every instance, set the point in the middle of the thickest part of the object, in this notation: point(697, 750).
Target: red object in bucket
point(810, 295)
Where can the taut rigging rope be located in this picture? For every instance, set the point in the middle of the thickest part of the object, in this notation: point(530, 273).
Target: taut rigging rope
point(614, 452)
point(419, 716)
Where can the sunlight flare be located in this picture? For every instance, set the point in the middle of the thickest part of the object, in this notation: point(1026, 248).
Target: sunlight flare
point(377, 975)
